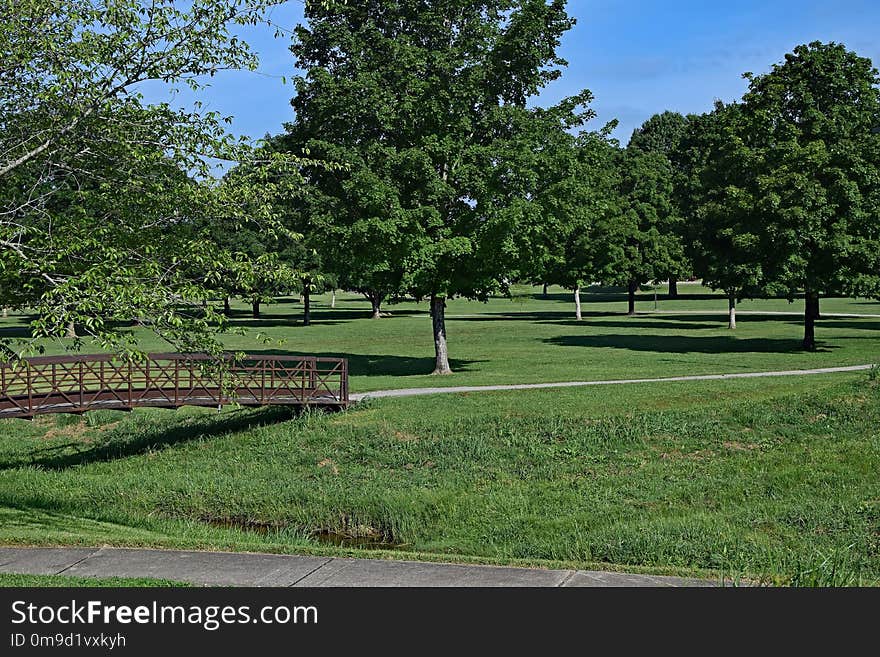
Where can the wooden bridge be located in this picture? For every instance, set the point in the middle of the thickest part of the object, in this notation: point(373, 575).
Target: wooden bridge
point(76, 384)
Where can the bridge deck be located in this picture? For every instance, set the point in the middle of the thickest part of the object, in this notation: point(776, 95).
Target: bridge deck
point(76, 384)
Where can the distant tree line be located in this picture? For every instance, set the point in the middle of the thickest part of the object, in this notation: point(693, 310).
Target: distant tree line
point(452, 185)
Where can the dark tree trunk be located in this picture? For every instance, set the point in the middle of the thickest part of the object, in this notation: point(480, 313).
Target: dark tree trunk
point(255, 305)
point(307, 302)
point(811, 314)
point(577, 303)
point(731, 308)
point(226, 309)
point(438, 320)
point(376, 303)
point(631, 289)
point(544, 291)
point(673, 287)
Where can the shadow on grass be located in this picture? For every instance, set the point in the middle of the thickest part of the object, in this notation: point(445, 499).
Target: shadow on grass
point(378, 364)
point(683, 344)
point(688, 321)
point(9, 332)
point(620, 319)
point(620, 295)
point(849, 323)
point(319, 317)
point(532, 316)
point(641, 323)
point(133, 439)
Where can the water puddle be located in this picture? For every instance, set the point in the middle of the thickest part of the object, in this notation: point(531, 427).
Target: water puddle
point(370, 542)
point(365, 538)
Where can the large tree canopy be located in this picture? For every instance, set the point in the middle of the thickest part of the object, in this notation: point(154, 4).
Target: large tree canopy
point(720, 227)
point(94, 183)
point(661, 135)
point(431, 101)
point(353, 215)
point(576, 191)
point(637, 243)
point(801, 176)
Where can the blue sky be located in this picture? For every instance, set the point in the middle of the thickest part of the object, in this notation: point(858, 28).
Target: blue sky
point(638, 58)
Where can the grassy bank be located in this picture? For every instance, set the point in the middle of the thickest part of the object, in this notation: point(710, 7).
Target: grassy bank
point(774, 478)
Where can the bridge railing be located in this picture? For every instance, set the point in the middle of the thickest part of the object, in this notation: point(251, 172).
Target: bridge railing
point(74, 384)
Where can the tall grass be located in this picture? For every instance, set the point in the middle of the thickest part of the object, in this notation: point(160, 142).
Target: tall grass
point(784, 488)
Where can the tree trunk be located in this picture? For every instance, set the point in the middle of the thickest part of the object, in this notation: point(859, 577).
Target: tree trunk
point(307, 303)
point(376, 303)
point(226, 309)
point(71, 330)
point(673, 287)
point(631, 288)
point(577, 303)
point(5, 312)
point(544, 291)
point(255, 305)
point(438, 320)
point(811, 314)
point(333, 299)
point(731, 305)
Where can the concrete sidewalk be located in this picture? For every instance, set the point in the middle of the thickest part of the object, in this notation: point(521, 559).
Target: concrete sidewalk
point(245, 569)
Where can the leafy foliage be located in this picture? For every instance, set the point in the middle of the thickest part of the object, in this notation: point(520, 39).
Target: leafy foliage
point(638, 243)
point(791, 181)
point(720, 229)
point(428, 104)
point(97, 188)
point(579, 192)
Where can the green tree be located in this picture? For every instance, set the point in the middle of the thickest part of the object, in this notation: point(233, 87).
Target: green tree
point(721, 237)
point(436, 95)
point(251, 263)
point(113, 177)
point(635, 245)
point(577, 188)
point(806, 165)
point(353, 216)
point(312, 277)
point(662, 134)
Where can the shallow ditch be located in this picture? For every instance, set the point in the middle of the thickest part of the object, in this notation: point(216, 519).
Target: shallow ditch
point(359, 537)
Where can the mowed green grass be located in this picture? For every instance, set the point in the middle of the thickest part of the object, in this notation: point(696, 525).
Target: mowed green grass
point(55, 581)
point(529, 339)
point(772, 478)
point(775, 479)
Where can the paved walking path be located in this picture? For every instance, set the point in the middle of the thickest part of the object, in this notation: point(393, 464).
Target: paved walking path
point(412, 392)
point(248, 569)
point(720, 313)
point(725, 313)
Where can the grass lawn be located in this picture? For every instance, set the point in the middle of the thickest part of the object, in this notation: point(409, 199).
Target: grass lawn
point(7, 580)
point(528, 339)
point(771, 478)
